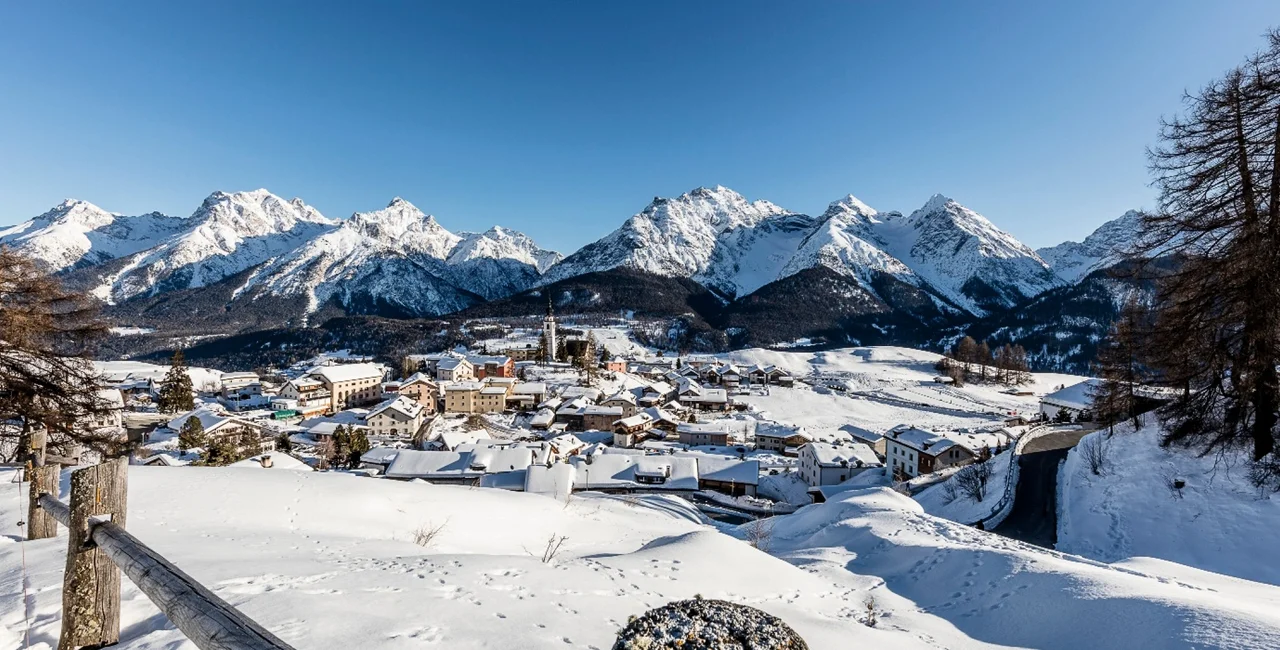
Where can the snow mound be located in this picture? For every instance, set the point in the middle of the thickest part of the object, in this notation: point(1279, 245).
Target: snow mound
point(1000, 591)
point(1218, 522)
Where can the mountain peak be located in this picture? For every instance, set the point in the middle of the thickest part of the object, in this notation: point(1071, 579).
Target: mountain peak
point(850, 204)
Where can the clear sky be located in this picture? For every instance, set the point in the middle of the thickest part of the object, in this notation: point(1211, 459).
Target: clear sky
point(561, 119)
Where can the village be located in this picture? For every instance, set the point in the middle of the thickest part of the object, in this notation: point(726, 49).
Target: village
point(563, 410)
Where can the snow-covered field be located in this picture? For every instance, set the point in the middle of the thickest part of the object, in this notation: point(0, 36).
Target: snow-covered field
point(882, 388)
point(1218, 522)
point(325, 560)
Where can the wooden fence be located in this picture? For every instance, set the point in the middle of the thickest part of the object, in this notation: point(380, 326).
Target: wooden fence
point(99, 548)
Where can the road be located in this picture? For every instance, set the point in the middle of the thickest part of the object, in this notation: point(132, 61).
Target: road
point(1034, 518)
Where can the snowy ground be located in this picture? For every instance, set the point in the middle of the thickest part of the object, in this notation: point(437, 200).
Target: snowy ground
point(1220, 522)
point(956, 506)
point(325, 561)
point(999, 591)
point(884, 387)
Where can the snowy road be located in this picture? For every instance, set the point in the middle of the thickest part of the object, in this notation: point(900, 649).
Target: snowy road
point(1034, 518)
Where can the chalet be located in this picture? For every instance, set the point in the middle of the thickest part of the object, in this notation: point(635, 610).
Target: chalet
point(706, 399)
point(397, 417)
point(572, 414)
point(630, 430)
point(422, 390)
point(352, 384)
point(249, 435)
point(241, 390)
point(729, 475)
point(696, 435)
point(111, 403)
point(308, 395)
point(658, 393)
point(454, 369)
point(624, 400)
point(826, 464)
point(600, 418)
point(771, 436)
point(912, 452)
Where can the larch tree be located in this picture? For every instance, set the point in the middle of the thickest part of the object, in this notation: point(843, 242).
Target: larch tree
point(1216, 327)
point(1119, 365)
point(47, 378)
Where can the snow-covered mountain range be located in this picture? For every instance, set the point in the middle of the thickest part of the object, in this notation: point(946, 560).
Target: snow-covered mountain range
point(400, 261)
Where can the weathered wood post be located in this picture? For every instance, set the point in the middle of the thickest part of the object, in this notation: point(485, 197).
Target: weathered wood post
point(91, 587)
point(41, 524)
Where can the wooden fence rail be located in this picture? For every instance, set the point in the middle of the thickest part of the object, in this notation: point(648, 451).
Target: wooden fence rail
point(98, 547)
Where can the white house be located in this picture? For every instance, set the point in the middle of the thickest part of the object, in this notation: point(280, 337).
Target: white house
point(911, 452)
point(455, 369)
point(827, 464)
point(1073, 399)
point(396, 417)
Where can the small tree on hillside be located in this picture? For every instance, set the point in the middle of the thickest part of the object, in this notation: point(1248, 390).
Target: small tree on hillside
point(192, 434)
point(1120, 367)
point(176, 393)
point(357, 446)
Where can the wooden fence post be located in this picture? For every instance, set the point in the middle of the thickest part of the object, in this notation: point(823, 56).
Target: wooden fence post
point(41, 524)
point(91, 587)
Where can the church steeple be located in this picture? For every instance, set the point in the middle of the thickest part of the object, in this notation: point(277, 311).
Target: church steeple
point(549, 332)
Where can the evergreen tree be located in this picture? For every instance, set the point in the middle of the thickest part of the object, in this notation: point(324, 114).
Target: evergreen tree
point(340, 456)
point(192, 434)
point(357, 446)
point(283, 443)
point(176, 393)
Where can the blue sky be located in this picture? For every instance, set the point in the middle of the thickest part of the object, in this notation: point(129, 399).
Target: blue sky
point(561, 119)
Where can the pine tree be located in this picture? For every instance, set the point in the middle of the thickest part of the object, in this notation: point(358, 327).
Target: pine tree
point(1120, 367)
point(283, 442)
point(340, 456)
point(357, 446)
point(192, 434)
point(176, 393)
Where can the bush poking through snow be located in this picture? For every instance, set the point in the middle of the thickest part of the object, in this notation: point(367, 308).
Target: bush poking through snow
point(1173, 484)
point(425, 535)
point(759, 533)
point(1093, 450)
point(972, 480)
point(949, 491)
point(871, 614)
point(707, 625)
point(553, 547)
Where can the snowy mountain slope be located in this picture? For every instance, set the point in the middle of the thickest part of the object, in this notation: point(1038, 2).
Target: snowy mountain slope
point(498, 262)
point(395, 256)
point(671, 237)
point(749, 257)
point(80, 233)
point(846, 242)
point(1104, 247)
point(964, 256)
point(228, 234)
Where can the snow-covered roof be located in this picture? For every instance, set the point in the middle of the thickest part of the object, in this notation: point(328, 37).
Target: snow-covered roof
point(279, 460)
point(380, 455)
point(703, 428)
point(622, 396)
point(660, 388)
point(543, 418)
point(556, 481)
point(347, 372)
point(570, 392)
point(111, 398)
point(405, 406)
point(493, 390)
point(470, 463)
point(1076, 396)
point(210, 419)
point(464, 386)
point(707, 395)
point(453, 438)
point(639, 419)
point(724, 468)
point(416, 378)
point(928, 442)
point(529, 388)
point(615, 411)
point(853, 454)
point(619, 471)
point(451, 363)
point(769, 429)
